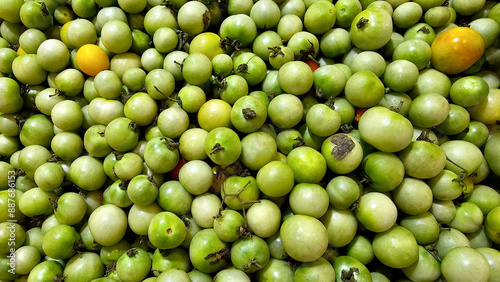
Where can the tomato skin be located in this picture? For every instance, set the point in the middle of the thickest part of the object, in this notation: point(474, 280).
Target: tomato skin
point(312, 64)
point(175, 172)
point(456, 49)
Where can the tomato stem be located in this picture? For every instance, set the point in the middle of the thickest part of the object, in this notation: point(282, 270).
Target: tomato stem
point(424, 136)
point(275, 51)
point(109, 268)
point(217, 148)
point(462, 174)
point(44, 10)
point(300, 142)
point(59, 277)
point(362, 22)
point(252, 264)
point(348, 276)
point(248, 113)
point(221, 254)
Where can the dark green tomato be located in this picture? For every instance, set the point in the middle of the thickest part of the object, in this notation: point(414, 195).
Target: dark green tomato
point(161, 154)
point(288, 139)
point(140, 41)
point(310, 139)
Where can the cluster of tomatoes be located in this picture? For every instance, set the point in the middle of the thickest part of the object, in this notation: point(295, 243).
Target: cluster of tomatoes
point(233, 140)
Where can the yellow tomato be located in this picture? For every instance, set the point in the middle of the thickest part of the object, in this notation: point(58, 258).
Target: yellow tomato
point(456, 49)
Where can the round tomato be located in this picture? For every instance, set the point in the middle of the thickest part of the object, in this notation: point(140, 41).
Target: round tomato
point(456, 49)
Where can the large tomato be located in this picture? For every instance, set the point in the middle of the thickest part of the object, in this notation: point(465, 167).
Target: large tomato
point(456, 49)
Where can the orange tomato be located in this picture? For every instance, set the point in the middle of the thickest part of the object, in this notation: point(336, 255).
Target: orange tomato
point(91, 59)
point(456, 49)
